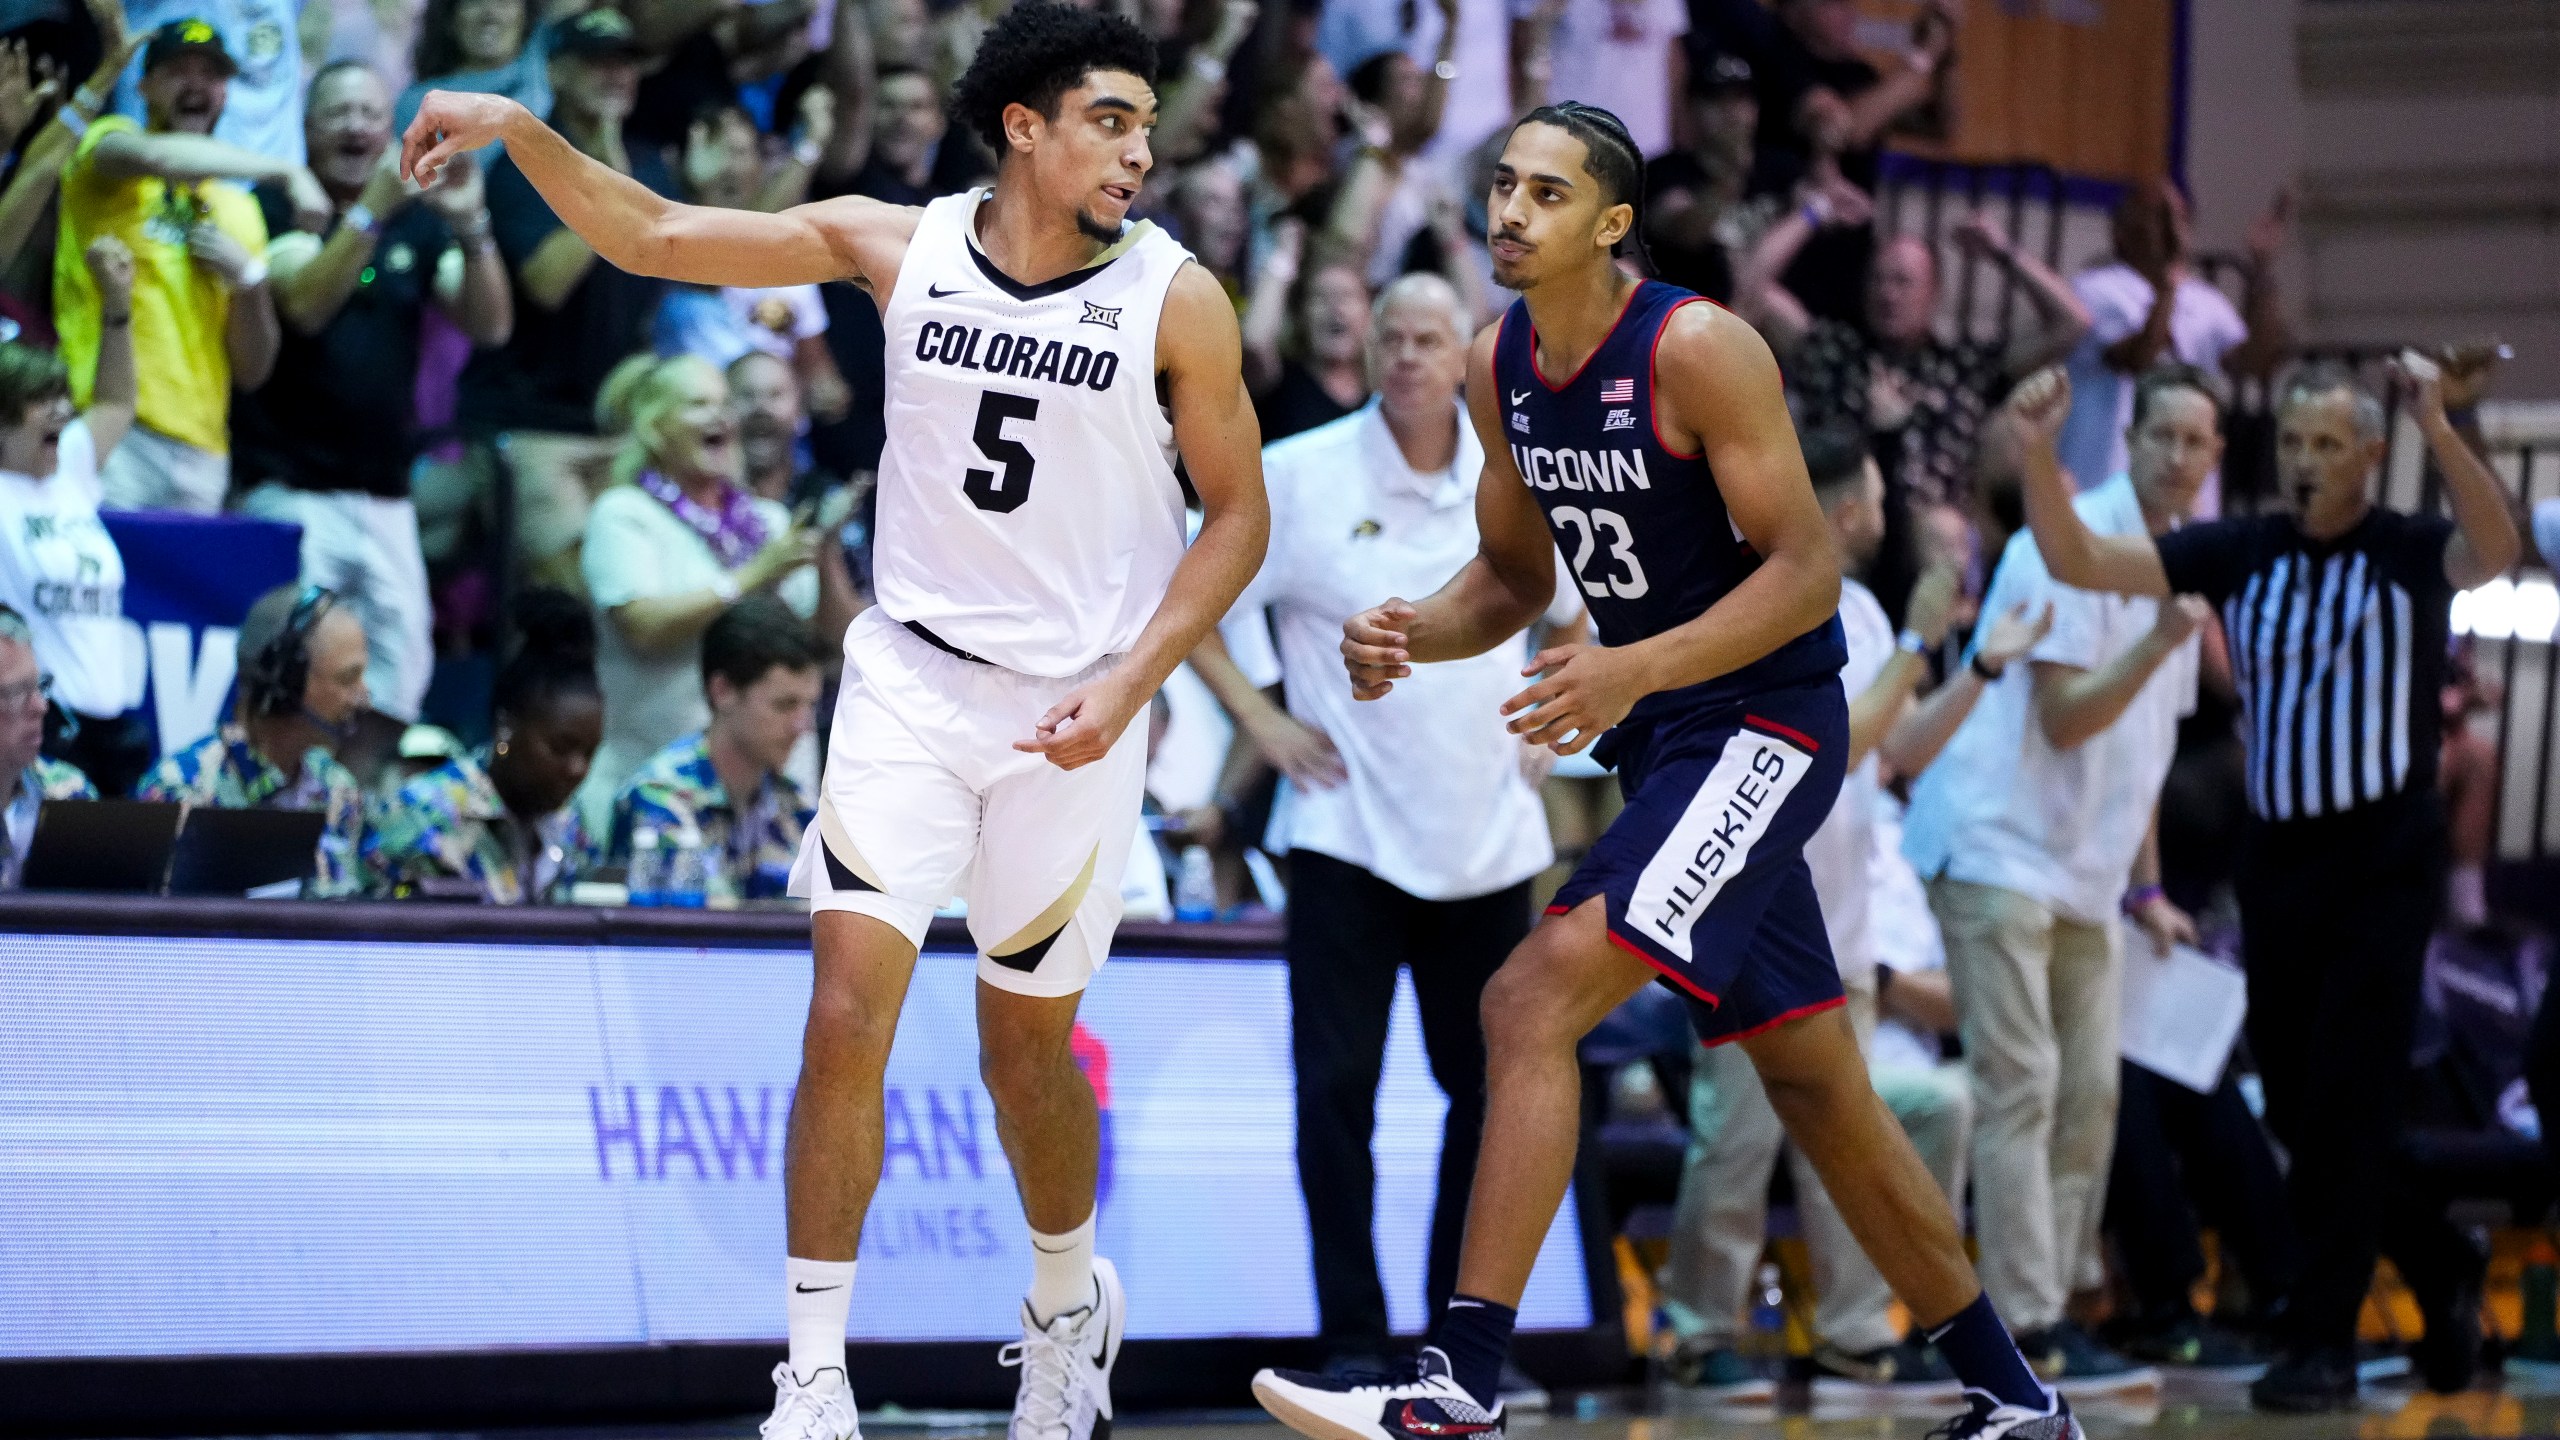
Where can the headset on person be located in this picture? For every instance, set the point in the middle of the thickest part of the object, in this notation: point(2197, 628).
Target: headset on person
point(271, 684)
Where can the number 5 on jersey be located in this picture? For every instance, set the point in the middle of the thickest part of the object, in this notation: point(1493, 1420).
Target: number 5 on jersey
point(987, 490)
point(1586, 530)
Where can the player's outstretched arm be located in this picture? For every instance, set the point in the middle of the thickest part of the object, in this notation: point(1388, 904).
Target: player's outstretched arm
point(2073, 553)
point(1202, 354)
point(636, 229)
point(1498, 594)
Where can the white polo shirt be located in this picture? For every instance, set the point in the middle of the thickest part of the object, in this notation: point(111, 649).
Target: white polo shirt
point(1839, 852)
point(2001, 806)
point(1435, 804)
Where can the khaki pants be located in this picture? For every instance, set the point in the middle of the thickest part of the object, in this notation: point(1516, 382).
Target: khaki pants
point(1721, 1224)
point(2039, 999)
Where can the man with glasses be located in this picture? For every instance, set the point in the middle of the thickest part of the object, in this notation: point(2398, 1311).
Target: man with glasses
point(27, 779)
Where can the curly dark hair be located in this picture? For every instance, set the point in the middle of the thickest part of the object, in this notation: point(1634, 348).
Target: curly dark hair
point(1037, 52)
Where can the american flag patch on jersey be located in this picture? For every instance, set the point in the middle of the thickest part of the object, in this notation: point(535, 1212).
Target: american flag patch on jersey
point(1619, 392)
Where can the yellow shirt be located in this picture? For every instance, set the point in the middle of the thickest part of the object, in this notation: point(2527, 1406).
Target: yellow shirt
point(180, 309)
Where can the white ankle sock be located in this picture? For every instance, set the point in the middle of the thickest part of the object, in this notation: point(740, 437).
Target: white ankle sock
point(1061, 1271)
point(820, 1294)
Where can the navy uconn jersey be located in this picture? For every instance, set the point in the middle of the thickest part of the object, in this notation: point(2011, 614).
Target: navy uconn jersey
point(1642, 526)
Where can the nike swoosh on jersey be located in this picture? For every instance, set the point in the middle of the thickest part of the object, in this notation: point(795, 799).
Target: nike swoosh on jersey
point(937, 292)
point(1517, 396)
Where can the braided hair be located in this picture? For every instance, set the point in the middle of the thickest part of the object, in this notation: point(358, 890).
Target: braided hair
point(1611, 157)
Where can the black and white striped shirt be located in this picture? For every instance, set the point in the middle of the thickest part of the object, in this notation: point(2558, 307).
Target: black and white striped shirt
point(2338, 649)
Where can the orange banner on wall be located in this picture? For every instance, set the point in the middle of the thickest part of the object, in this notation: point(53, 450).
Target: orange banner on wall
point(2081, 85)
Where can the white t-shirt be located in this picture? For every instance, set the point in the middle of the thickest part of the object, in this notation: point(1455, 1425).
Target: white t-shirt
point(1838, 851)
point(1616, 54)
point(2001, 806)
point(636, 549)
point(1435, 803)
point(2202, 328)
point(60, 569)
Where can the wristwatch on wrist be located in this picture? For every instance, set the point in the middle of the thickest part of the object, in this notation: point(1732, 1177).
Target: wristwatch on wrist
point(252, 275)
point(1911, 642)
point(2139, 896)
point(1445, 70)
point(1989, 674)
point(361, 219)
point(808, 152)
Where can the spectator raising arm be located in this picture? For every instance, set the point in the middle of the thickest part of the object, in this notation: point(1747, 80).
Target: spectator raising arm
point(787, 184)
point(184, 159)
point(1266, 311)
point(312, 283)
point(2073, 553)
point(2060, 317)
point(117, 390)
point(476, 298)
point(850, 71)
point(1190, 98)
point(31, 189)
point(2270, 336)
point(1762, 299)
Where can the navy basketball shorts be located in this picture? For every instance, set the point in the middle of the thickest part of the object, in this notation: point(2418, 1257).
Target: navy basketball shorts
point(1704, 873)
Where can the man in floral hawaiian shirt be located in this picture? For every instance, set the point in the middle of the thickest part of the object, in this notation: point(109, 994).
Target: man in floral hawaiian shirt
point(761, 674)
point(302, 665)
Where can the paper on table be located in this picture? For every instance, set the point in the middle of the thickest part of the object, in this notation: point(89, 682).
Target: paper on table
point(2182, 1012)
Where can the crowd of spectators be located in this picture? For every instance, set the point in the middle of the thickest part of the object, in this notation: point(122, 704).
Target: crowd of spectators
point(576, 546)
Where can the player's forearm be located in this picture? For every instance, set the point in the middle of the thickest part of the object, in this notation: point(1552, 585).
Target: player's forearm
point(1222, 560)
point(621, 219)
point(1478, 609)
point(1794, 590)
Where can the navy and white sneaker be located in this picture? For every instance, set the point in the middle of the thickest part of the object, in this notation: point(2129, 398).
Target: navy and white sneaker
point(1066, 1365)
point(1422, 1402)
point(1986, 1418)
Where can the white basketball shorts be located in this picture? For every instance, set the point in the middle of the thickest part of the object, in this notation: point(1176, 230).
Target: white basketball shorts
point(924, 796)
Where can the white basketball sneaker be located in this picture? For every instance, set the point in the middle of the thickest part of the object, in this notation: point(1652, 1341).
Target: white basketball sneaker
point(819, 1410)
point(1066, 1366)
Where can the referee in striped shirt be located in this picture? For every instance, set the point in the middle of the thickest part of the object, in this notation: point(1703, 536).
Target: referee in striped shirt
point(2336, 615)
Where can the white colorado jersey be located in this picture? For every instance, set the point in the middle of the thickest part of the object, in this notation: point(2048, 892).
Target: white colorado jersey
point(1028, 510)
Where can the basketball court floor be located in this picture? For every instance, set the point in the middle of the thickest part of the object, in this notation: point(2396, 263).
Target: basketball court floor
point(2526, 1407)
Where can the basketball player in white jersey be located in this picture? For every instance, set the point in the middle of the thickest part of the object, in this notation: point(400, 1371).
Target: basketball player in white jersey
point(1034, 591)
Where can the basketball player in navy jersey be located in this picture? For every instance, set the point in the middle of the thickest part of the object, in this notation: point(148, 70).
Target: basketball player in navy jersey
point(1047, 359)
point(1643, 433)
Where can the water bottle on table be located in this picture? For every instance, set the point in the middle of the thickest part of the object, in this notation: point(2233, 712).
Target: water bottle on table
point(1195, 889)
point(645, 881)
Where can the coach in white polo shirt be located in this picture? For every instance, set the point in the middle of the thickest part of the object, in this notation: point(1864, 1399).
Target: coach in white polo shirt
point(1413, 823)
point(2033, 829)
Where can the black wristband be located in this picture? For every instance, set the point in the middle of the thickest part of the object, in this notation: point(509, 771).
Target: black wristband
point(1989, 675)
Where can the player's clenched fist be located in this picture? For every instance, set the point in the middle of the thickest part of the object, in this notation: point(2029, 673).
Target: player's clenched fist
point(1373, 648)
